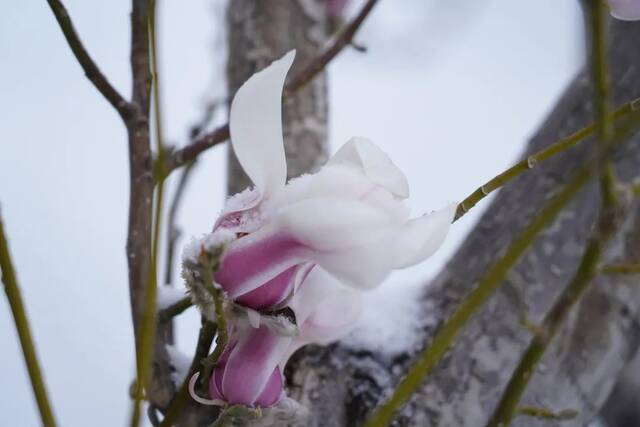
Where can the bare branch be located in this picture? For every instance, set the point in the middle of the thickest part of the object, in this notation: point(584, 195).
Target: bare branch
point(192, 151)
point(91, 70)
point(24, 332)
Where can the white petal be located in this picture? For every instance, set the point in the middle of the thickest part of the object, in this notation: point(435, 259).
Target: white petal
point(255, 122)
point(421, 237)
point(342, 181)
point(626, 10)
point(325, 310)
point(374, 163)
point(349, 238)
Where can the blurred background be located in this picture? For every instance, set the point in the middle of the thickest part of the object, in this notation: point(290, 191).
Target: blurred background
point(450, 89)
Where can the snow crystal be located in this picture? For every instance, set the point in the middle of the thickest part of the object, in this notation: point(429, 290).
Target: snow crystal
point(169, 295)
point(207, 242)
point(391, 320)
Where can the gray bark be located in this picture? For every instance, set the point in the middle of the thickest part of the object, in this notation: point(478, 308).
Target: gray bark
point(260, 32)
point(341, 386)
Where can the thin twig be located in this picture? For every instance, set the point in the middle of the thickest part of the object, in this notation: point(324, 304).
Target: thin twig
point(621, 269)
point(172, 229)
point(24, 331)
point(167, 314)
point(545, 414)
point(205, 338)
point(487, 285)
point(192, 151)
point(91, 70)
point(595, 15)
point(535, 159)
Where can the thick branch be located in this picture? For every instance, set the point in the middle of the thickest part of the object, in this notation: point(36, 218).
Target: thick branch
point(91, 70)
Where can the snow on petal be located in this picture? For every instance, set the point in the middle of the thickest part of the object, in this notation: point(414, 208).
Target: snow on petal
point(374, 163)
point(626, 10)
point(255, 124)
point(421, 237)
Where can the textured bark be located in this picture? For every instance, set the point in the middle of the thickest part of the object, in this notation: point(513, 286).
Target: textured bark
point(261, 31)
point(340, 386)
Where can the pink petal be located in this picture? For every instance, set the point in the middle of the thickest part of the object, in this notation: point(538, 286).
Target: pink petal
point(250, 372)
point(259, 259)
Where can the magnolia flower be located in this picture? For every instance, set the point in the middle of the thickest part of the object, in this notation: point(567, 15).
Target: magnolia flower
point(348, 219)
point(249, 371)
point(627, 10)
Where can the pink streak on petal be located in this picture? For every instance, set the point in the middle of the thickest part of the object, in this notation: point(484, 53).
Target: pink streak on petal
point(272, 391)
point(245, 380)
point(271, 293)
point(252, 261)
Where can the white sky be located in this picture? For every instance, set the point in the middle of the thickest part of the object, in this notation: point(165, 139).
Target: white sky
point(450, 90)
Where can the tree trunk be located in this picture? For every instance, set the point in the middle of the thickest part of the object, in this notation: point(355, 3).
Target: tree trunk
point(340, 386)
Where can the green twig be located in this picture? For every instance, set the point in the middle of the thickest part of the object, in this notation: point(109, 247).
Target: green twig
point(430, 357)
point(595, 15)
point(24, 332)
point(222, 338)
point(535, 159)
point(621, 269)
point(545, 414)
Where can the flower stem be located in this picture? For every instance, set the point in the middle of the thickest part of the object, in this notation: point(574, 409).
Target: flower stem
point(432, 354)
point(24, 332)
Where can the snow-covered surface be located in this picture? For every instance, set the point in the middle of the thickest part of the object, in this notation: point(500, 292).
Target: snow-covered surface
point(391, 319)
point(450, 90)
point(168, 295)
point(181, 362)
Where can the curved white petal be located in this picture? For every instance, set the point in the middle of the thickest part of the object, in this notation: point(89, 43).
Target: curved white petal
point(422, 236)
point(342, 181)
point(325, 310)
point(351, 239)
point(255, 124)
point(626, 10)
point(374, 163)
